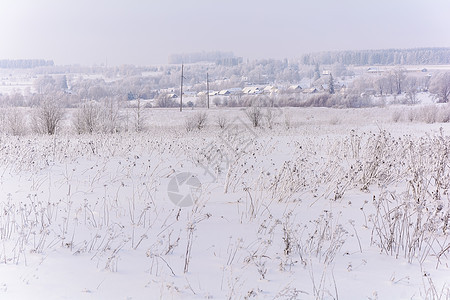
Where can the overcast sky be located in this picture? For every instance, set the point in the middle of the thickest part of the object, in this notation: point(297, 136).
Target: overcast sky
point(145, 32)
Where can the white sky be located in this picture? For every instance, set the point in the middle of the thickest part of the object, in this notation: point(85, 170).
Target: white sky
point(145, 32)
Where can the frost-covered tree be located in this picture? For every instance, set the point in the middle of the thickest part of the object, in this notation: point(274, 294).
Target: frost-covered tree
point(17, 124)
point(316, 73)
point(109, 117)
point(411, 89)
point(13, 120)
point(255, 115)
point(86, 119)
point(48, 115)
point(399, 77)
point(361, 84)
point(165, 100)
point(61, 83)
point(416, 56)
point(383, 85)
point(138, 116)
point(331, 84)
point(440, 86)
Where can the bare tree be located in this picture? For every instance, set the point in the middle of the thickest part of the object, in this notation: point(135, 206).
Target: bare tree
point(87, 117)
point(48, 115)
point(399, 78)
point(165, 100)
point(255, 115)
point(221, 121)
point(16, 99)
point(217, 101)
point(269, 117)
point(197, 121)
point(411, 89)
point(202, 101)
point(139, 124)
point(440, 86)
point(390, 83)
point(381, 85)
point(15, 121)
point(109, 117)
point(361, 84)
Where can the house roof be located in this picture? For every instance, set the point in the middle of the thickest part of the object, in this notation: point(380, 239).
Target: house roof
point(251, 90)
point(310, 90)
point(295, 87)
point(270, 89)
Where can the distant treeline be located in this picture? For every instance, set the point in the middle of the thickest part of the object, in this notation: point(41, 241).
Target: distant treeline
point(190, 58)
point(24, 63)
point(417, 56)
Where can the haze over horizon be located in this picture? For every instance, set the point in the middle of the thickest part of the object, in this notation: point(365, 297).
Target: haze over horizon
point(147, 32)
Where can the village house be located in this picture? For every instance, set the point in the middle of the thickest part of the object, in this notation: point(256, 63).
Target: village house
point(295, 88)
point(270, 89)
point(225, 93)
point(312, 90)
point(251, 90)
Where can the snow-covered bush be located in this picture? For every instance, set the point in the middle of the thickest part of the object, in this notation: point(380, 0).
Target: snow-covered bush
point(47, 117)
point(254, 115)
point(86, 118)
point(196, 121)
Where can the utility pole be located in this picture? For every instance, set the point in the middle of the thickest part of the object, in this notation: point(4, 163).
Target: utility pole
point(181, 93)
point(207, 89)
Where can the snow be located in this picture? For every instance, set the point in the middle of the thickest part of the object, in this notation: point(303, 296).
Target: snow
point(89, 216)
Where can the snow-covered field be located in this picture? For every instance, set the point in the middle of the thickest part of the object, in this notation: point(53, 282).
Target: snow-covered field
point(327, 204)
point(15, 81)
